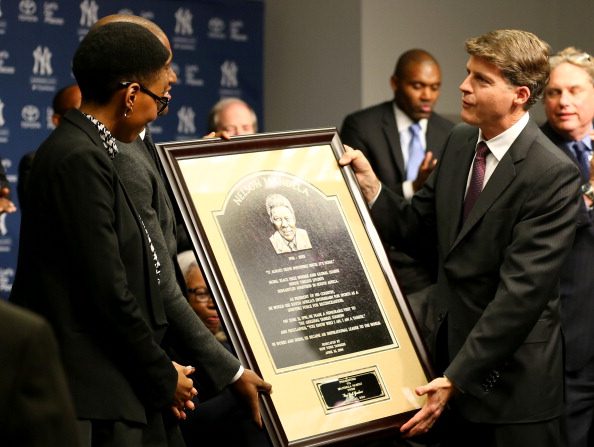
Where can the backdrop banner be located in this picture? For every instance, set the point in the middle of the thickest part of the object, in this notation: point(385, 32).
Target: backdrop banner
point(217, 52)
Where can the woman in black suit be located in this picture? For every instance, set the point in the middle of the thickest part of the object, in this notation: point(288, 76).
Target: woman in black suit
point(86, 261)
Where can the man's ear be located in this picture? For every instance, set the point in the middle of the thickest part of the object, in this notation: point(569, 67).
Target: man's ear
point(522, 95)
point(394, 83)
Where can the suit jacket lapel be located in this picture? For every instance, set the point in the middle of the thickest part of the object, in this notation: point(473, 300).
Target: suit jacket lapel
point(456, 185)
point(504, 174)
point(154, 300)
point(392, 137)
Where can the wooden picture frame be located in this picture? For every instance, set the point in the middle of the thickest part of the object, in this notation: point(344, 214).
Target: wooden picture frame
point(302, 283)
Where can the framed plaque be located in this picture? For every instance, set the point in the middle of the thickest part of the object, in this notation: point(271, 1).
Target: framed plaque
point(302, 283)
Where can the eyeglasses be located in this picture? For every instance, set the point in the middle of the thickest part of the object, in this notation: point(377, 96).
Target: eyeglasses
point(200, 294)
point(162, 101)
point(581, 58)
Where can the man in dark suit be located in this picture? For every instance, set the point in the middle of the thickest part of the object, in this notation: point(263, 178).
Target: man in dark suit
point(35, 404)
point(569, 106)
point(502, 223)
point(402, 139)
point(84, 246)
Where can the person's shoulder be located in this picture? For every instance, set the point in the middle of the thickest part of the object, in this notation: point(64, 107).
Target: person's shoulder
point(441, 121)
point(550, 133)
point(463, 130)
point(371, 111)
point(20, 322)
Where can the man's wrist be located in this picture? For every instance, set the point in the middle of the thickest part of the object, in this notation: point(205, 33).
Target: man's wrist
point(374, 199)
point(238, 374)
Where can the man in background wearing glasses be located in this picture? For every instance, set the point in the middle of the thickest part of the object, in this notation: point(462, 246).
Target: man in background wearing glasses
point(569, 107)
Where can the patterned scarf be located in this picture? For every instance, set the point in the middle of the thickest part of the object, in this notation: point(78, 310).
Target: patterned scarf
point(109, 142)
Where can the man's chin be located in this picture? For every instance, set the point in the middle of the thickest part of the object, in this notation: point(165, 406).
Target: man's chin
point(422, 115)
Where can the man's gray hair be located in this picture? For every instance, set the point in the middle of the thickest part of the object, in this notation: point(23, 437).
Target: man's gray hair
point(276, 200)
point(215, 113)
point(574, 56)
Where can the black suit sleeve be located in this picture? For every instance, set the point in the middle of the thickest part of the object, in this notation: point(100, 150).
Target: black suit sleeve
point(350, 135)
point(38, 409)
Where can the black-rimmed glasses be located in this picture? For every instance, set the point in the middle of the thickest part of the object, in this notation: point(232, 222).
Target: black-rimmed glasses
point(162, 101)
point(200, 294)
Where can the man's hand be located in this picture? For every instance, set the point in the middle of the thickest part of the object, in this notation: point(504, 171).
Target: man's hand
point(6, 205)
point(368, 181)
point(425, 168)
point(248, 386)
point(221, 134)
point(184, 392)
point(438, 391)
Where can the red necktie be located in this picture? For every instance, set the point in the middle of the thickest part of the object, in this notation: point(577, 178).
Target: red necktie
point(478, 176)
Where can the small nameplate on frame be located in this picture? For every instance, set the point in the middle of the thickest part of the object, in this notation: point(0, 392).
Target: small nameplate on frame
point(341, 392)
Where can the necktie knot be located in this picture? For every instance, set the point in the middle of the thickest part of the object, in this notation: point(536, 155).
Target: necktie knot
point(415, 129)
point(477, 178)
point(482, 150)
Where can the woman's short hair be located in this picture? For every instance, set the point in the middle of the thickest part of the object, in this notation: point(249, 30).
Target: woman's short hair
point(113, 53)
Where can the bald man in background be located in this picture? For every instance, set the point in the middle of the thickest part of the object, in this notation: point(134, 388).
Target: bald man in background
point(65, 99)
point(233, 116)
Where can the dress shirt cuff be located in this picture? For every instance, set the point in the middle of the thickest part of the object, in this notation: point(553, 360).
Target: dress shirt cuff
point(237, 374)
point(407, 190)
point(372, 201)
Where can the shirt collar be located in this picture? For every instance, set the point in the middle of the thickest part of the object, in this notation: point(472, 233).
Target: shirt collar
point(403, 121)
point(500, 144)
point(109, 142)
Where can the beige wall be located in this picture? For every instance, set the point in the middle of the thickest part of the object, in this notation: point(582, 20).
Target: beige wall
point(326, 58)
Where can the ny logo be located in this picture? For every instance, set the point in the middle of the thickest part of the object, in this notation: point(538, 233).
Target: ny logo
point(3, 56)
point(27, 7)
point(186, 115)
point(229, 74)
point(3, 228)
point(2, 122)
point(42, 64)
point(183, 22)
point(88, 13)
